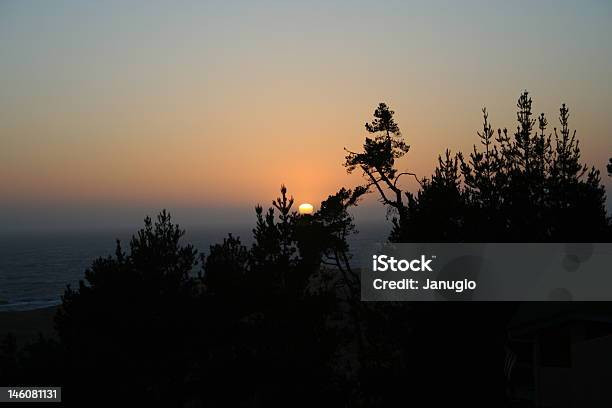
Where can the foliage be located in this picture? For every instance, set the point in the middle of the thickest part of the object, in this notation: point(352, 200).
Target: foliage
point(282, 320)
point(132, 317)
point(530, 186)
point(377, 160)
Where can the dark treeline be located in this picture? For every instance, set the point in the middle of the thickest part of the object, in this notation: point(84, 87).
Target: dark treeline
point(527, 186)
point(281, 321)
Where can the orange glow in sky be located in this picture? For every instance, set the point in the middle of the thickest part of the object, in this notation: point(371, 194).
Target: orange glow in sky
point(211, 105)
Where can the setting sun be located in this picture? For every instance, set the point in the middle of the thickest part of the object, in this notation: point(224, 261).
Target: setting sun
point(305, 209)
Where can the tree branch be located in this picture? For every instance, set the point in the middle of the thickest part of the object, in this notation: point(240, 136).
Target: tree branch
point(409, 174)
point(378, 187)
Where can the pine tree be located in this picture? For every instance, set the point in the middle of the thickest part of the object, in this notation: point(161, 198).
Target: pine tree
point(377, 161)
point(527, 187)
point(436, 212)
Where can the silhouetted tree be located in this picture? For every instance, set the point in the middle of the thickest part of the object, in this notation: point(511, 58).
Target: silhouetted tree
point(377, 161)
point(530, 186)
point(322, 237)
point(226, 266)
point(437, 210)
point(127, 327)
point(285, 215)
point(482, 174)
point(272, 255)
point(283, 320)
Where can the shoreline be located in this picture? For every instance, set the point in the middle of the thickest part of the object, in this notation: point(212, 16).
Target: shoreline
point(26, 325)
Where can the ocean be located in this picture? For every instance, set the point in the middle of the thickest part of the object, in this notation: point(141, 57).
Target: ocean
point(36, 267)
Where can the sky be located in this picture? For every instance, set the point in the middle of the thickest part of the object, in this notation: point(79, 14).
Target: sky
point(111, 110)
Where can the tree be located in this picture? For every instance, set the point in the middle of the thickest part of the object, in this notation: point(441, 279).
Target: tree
point(226, 267)
point(288, 252)
point(322, 237)
point(127, 325)
point(283, 205)
point(273, 251)
point(276, 331)
point(377, 161)
point(437, 210)
point(530, 186)
point(483, 172)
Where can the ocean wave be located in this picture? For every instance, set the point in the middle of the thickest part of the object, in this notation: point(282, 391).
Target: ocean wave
point(22, 305)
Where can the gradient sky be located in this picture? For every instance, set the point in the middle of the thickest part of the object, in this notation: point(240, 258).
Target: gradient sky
point(112, 109)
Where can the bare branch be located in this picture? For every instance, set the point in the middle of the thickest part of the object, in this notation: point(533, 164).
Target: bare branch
point(408, 174)
point(378, 187)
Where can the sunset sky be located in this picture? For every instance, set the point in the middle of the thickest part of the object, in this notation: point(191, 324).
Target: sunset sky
point(112, 109)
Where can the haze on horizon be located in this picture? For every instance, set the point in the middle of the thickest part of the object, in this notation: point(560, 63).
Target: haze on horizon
point(111, 110)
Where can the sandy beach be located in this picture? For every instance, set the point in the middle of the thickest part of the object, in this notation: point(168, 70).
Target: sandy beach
point(26, 325)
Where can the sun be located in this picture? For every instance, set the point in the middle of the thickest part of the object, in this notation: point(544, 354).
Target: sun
point(305, 209)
